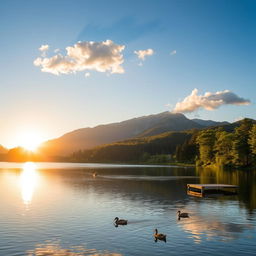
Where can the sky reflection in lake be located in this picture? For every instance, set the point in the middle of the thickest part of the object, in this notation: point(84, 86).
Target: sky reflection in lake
point(40, 203)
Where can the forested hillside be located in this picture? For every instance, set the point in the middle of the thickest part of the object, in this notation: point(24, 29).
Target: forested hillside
point(135, 150)
point(232, 145)
point(237, 148)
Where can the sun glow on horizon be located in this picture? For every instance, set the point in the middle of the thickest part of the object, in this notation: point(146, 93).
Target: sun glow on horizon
point(30, 140)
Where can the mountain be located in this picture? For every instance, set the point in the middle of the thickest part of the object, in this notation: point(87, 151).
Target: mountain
point(230, 127)
point(175, 146)
point(87, 138)
point(3, 150)
point(208, 123)
point(170, 122)
point(135, 149)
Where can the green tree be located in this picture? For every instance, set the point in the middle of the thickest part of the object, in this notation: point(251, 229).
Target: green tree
point(241, 150)
point(186, 152)
point(223, 148)
point(252, 141)
point(206, 141)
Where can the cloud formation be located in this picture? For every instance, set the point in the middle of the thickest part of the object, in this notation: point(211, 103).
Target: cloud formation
point(105, 56)
point(173, 52)
point(143, 53)
point(208, 101)
point(43, 47)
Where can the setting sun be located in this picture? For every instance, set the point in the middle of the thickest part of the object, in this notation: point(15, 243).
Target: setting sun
point(30, 140)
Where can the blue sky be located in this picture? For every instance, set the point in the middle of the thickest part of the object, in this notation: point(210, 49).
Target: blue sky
point(215, 51)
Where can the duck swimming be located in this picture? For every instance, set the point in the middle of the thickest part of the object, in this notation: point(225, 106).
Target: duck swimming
point(159, 236)
point(182, 214)
point(120, 221)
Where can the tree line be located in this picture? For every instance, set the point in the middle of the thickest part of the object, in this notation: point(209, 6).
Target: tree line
point(237, 148)
point(153, 149)
point(227, 146)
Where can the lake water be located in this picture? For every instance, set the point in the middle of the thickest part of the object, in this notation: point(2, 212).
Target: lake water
point(61, 209)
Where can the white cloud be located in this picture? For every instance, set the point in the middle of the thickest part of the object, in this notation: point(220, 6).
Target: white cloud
point(143, 53)
point(208, 101)
point(43, 47)
point(100, 56)
point(173, 52)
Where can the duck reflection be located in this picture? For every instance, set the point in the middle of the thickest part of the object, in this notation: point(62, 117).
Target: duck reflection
point(55, 249)
point(28, 181)
point(163, 239)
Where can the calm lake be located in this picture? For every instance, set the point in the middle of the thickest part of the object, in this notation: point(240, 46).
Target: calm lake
point(61, 209)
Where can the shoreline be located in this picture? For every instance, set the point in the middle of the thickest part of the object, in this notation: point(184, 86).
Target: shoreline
point(127, 164)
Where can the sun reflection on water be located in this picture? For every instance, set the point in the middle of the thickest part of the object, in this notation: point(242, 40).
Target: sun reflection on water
point(55, 249)
point(28, 181)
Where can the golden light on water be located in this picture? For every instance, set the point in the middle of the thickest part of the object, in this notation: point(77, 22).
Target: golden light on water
point(28, 181)
point(55, 249)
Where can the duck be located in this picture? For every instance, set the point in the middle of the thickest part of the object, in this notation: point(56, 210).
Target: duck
point(159, 236)
point(182, 214)
point(94, 174)
point(120, 221)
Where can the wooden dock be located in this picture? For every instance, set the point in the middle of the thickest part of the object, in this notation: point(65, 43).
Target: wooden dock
point(201, 190)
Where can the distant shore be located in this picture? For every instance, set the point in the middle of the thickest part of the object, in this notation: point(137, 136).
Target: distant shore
point(108, 163)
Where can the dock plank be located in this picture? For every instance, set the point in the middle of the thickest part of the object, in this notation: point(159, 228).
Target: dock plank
point(201, 189)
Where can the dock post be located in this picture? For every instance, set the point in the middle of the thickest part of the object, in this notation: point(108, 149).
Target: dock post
point(202, 191)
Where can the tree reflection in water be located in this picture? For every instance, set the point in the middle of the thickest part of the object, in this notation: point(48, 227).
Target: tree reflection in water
point(245, 179)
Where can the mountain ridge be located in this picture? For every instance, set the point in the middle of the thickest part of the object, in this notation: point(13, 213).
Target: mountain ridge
point(143, 126)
